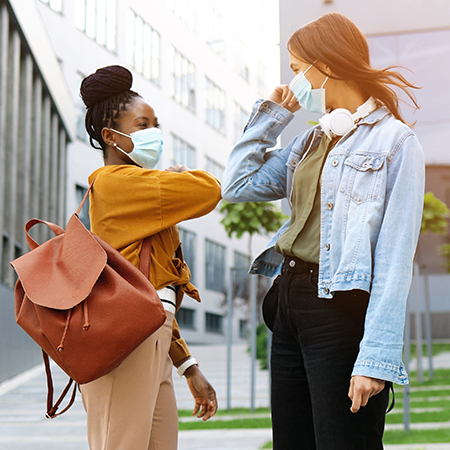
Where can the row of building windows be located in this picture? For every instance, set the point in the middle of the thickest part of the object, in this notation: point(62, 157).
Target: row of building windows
point(98, 20)
point(215, 263)
point(214, 323)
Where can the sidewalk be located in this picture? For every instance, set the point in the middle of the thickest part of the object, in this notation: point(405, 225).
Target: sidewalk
point(23, 399)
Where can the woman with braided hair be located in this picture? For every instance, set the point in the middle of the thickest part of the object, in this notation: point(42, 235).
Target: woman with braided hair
point(133, 407)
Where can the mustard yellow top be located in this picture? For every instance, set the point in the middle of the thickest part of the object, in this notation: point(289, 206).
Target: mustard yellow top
point(128, 203)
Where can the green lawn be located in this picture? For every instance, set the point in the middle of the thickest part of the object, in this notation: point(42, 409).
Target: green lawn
point(429, 402)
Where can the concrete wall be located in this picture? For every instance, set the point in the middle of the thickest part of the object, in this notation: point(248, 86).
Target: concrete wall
point(17, 351)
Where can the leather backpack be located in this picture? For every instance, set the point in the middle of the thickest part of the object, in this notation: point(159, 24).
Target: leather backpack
point(83, 303)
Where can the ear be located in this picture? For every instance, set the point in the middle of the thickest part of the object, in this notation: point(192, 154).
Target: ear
point(108, 137)
point(327, 70)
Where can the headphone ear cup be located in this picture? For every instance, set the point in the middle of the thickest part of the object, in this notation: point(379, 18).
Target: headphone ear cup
point(324, 123)
point(337, 123)
point(341, 121)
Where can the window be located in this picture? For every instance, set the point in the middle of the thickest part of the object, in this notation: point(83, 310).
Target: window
point(243, 328)
point(97, 18)
point(185, 11)
point(214, 33)
point(186, 318)
point(215, 106)
point(214, 266)
point(84, 213)
point(240, 120)
point(188, 240)
point(241, 66)
point(183, 79)
point(143, 47)
point(81, 132)
point(56, 5)
point(214, 168)
point(261, 79)
point(214, 323)
point(183, 153)
point(241, 265)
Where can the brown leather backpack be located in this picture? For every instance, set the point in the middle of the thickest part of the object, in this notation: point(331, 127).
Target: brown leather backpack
point(84, 304)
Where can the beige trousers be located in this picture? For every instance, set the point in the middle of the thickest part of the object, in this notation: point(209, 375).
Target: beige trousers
point(134, 407)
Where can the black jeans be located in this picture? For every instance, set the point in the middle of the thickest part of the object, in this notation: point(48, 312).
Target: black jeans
point(315, 344)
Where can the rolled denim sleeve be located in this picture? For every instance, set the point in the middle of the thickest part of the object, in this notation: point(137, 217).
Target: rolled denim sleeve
point(253, 173)
point(380, 354)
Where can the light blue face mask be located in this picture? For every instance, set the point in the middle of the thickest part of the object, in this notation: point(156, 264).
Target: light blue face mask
point(147, 147)
point(313, 100)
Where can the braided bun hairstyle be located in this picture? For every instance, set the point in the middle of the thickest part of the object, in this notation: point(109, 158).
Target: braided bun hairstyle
point(106, 93)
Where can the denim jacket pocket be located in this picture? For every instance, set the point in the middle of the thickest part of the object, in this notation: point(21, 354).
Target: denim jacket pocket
point(362, 177)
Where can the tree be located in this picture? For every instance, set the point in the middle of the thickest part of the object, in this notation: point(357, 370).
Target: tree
point(434, 220)
point(251, 218)
point(434, 215)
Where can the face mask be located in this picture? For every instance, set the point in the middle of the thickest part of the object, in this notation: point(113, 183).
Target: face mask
point(313, 100)
point(147, 147)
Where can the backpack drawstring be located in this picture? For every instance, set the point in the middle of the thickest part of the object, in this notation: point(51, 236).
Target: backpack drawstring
point(61, 344)
point(86, 325)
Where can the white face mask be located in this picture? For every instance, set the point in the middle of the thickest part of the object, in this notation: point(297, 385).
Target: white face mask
point(147, 147)
point(313, 100)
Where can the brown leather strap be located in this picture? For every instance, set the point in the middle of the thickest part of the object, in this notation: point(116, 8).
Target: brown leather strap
point(31, 223)
point(52, 408)
point(85, 197)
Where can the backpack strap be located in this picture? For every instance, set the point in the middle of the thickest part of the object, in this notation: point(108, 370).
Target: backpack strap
point(52, 408)
point(85, 197)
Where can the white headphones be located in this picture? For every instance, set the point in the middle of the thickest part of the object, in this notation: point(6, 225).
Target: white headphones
point(340, 121)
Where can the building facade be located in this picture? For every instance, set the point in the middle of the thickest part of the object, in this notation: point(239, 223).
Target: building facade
point(35, 117)
point(201, 68)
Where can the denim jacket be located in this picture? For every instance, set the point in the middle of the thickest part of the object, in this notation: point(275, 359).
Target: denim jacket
point(371, 210)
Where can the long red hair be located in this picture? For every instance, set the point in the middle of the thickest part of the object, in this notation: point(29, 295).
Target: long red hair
point(337, 42)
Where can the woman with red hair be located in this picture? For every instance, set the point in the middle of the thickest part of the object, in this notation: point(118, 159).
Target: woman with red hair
point(355, 185)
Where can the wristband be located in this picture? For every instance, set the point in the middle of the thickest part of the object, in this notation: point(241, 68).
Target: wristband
point(188, 363)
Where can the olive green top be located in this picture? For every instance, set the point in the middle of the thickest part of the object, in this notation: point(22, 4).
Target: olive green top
point(302, 238)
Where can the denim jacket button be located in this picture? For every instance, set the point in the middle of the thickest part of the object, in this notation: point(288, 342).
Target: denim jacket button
point(327, 247)
point(335, 163)
point(326, 290)
point(330, 206)
point(265, 105)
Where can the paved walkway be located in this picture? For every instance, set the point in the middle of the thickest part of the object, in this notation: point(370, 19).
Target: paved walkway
point(24, 427)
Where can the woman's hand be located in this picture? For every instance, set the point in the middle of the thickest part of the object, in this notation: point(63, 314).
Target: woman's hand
point(203, 393)
point(177, 168)
point(285, 97)
point(361, 389)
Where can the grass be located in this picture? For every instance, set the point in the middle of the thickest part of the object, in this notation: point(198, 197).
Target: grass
point(260, 418)
point(214, 424)
point(232, 412)
point(437, 436)
point(437, 347)
point(433, 393)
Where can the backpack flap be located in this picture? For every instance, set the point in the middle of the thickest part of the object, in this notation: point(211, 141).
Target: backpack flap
point(71, 263)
